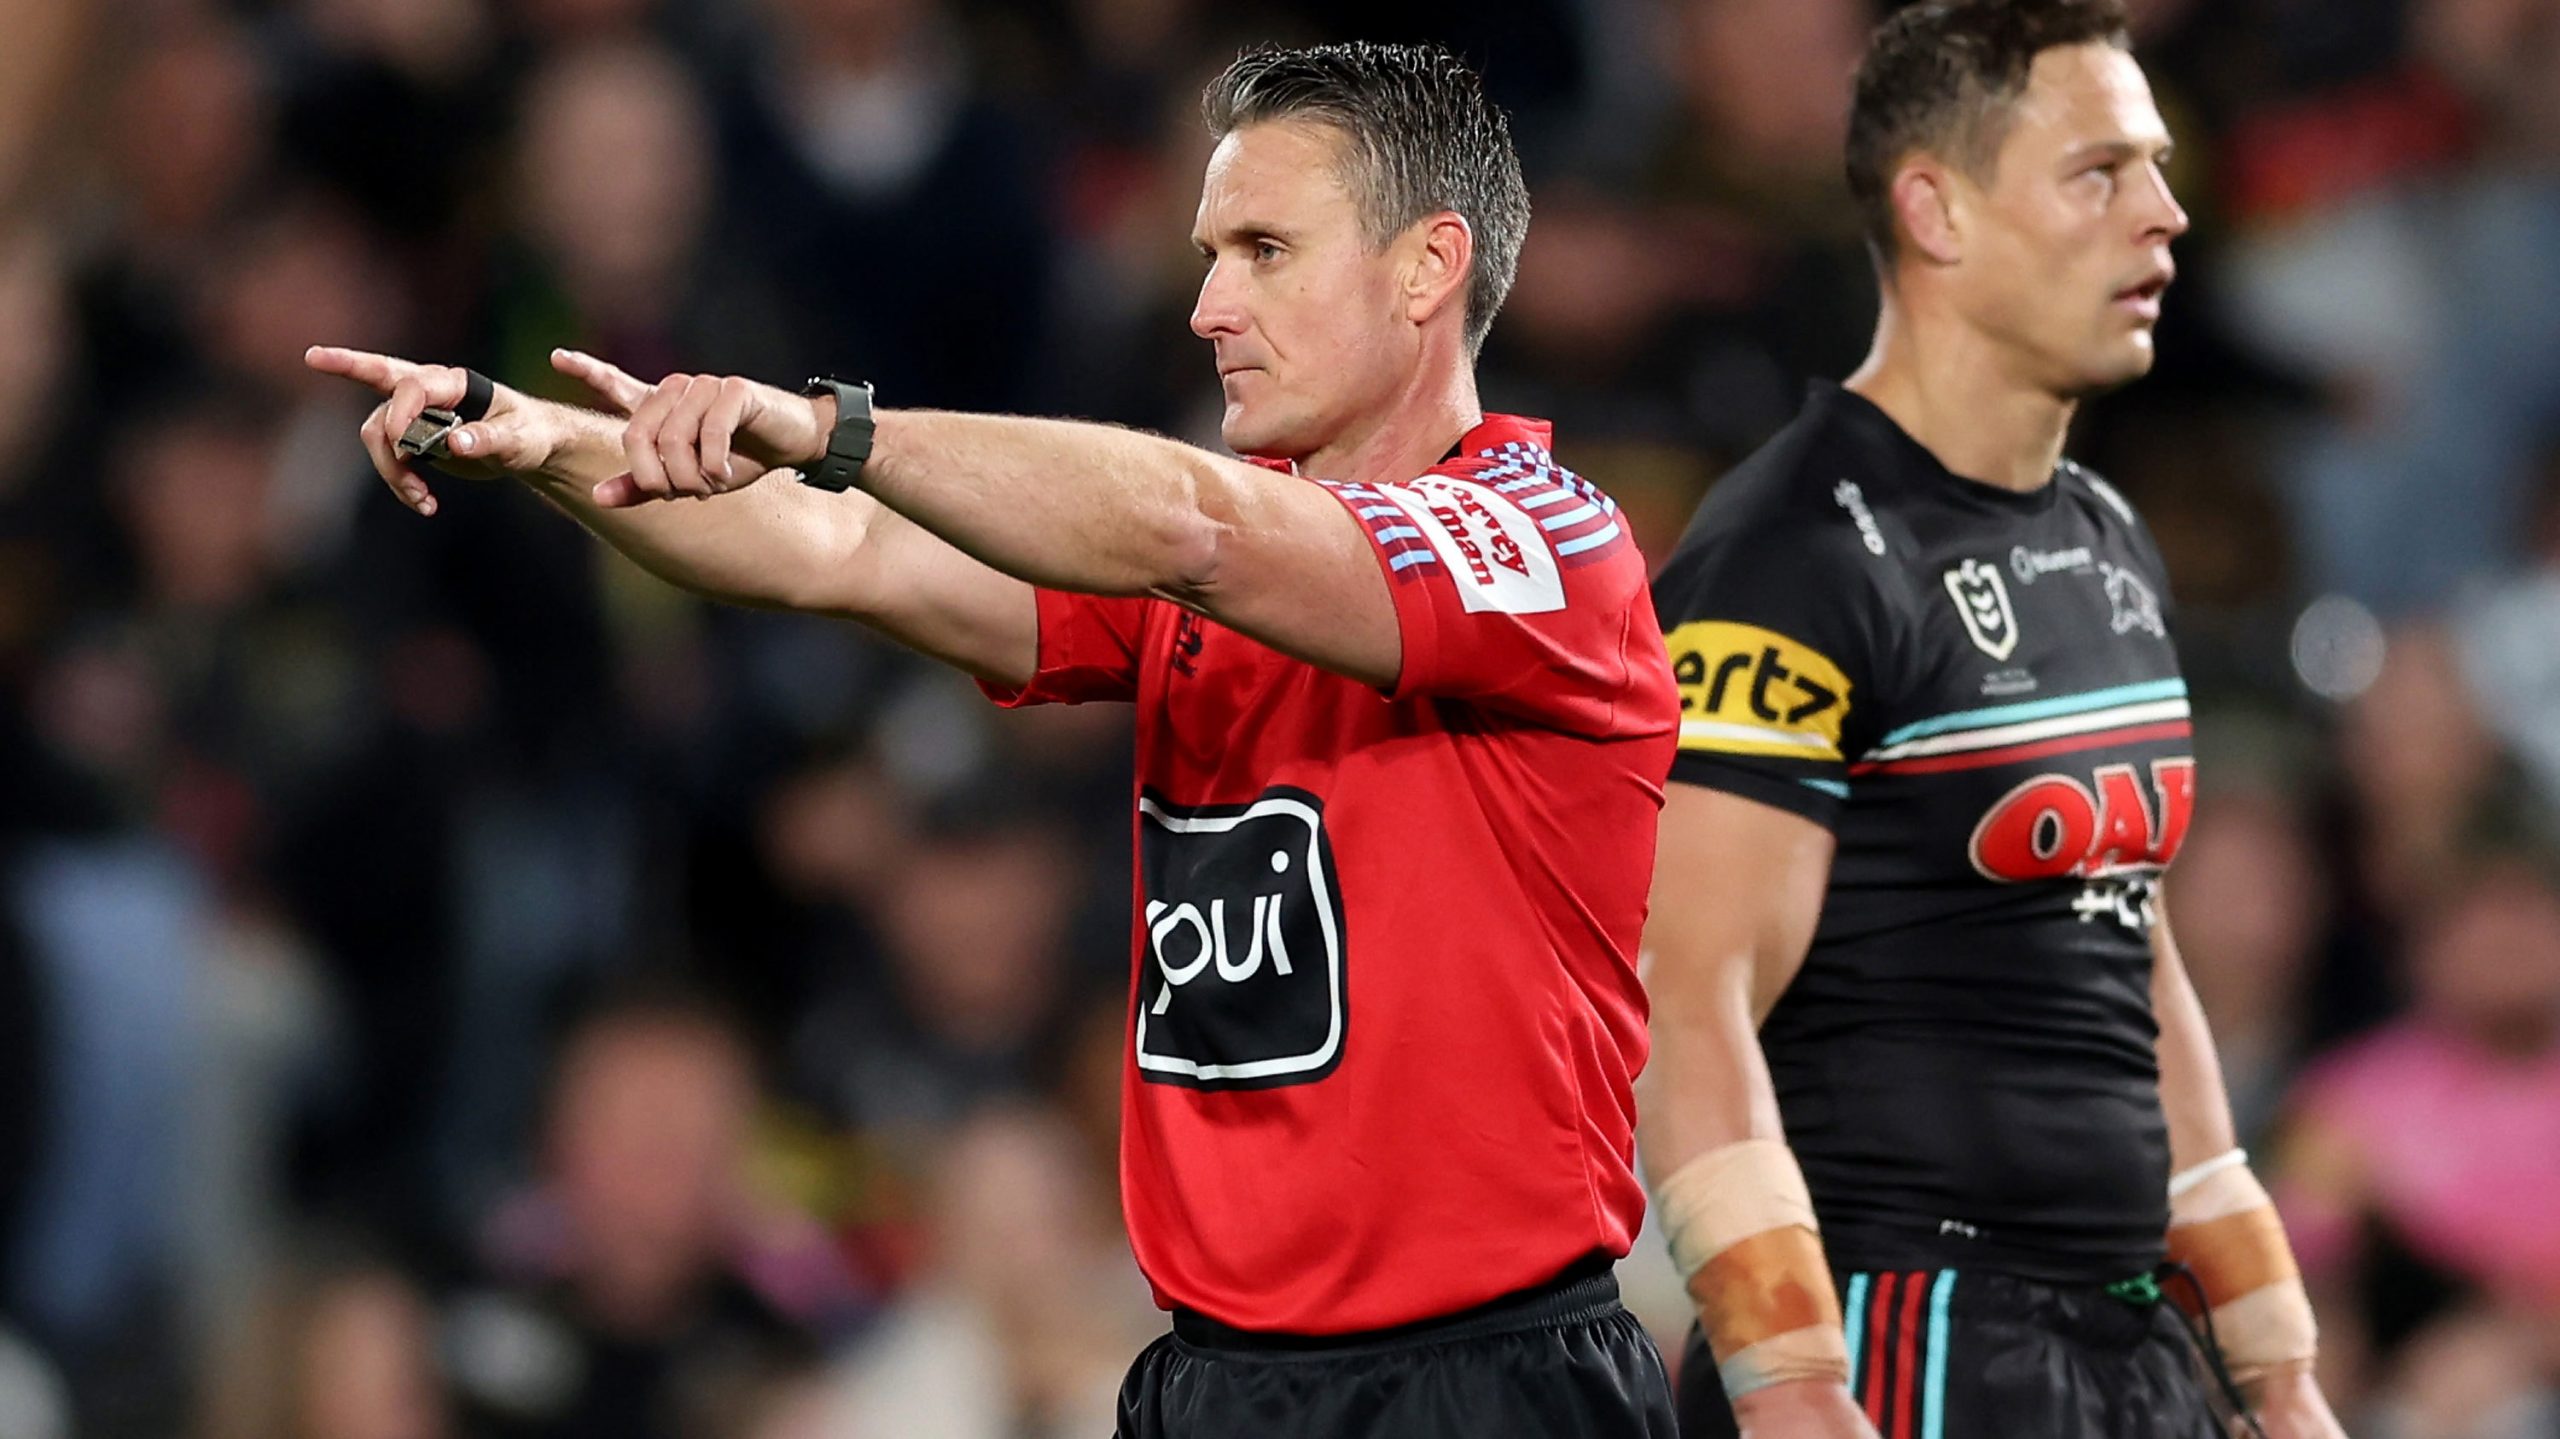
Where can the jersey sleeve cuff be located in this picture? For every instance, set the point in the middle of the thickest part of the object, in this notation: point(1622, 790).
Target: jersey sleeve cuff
point(1819, 800)
point(1417, 623)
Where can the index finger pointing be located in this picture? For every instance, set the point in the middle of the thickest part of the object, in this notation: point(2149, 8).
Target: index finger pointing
point(364, 367)
point(619, 388)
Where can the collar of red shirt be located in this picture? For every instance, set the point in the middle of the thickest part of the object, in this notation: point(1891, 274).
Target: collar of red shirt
point(1489, 435)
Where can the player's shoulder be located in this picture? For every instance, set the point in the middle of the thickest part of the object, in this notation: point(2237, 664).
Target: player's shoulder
point(1808, 501)
point(1506, 472)
point(2105, 507)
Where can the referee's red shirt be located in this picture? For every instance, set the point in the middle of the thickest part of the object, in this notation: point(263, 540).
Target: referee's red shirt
point(1386, 1020)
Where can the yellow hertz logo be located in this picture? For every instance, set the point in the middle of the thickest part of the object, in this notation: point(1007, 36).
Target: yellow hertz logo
point(1746, 690)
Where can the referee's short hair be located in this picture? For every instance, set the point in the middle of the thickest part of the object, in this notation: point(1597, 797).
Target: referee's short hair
point(1944, 77)
point(1420, 137)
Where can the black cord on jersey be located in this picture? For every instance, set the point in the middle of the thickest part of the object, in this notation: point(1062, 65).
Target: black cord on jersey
point(2206, 1341)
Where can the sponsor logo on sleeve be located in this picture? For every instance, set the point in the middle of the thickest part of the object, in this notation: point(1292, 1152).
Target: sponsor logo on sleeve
point(1752, 691)
point(1241, 982)
point(1848, 496)
point(1491, 547)
point(1982, 601)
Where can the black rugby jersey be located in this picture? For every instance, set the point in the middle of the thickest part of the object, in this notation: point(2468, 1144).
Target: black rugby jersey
point(1976, 691)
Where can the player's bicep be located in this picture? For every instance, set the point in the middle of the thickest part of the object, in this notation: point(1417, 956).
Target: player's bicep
point(1737, 889)
point(920, 590)
point(1737, 892)
point(1292, 568)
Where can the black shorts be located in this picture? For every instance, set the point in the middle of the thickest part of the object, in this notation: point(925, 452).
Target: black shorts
point(1967, 1355)
point(1563, 1361)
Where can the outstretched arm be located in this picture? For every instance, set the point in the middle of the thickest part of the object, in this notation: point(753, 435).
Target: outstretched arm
point(1063, 504)
point(780, 546)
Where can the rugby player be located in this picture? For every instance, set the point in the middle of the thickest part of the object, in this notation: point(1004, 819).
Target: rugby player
point(1403, 713)
point(1925, 1058)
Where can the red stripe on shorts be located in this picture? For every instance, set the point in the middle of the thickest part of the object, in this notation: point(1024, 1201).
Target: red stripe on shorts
point(1878, 1310)
point(1906, 1357)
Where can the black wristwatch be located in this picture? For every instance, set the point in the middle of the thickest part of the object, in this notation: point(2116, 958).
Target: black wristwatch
point(849, 443)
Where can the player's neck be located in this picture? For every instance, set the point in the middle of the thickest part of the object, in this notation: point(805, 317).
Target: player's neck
point(1401, 440)
point(1957, 393)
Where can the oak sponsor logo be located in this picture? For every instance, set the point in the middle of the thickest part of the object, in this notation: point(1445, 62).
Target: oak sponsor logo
point(1499, 557)
point(2055, 827)
point(1242, 984)
point(1753, 691)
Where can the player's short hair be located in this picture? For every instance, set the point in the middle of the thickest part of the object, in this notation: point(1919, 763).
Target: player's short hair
point(1944, 77)
point(1419, 137)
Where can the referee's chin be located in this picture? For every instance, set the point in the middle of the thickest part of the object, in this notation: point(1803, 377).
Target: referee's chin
point(1263, 435)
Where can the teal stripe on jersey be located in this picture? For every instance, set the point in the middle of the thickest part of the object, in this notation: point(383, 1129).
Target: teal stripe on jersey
point(1933, 1399)
point(1855, 1306)
point(1831, 787)
point(2038, 709)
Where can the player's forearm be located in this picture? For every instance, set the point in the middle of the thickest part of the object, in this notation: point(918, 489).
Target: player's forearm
point(1731, 1201)
point(1062, 504)
point(776, 544)
point(1706, 1083)
point(2193, 1097)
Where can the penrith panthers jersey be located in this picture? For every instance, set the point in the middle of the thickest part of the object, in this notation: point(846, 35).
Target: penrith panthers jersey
point(1976, 692)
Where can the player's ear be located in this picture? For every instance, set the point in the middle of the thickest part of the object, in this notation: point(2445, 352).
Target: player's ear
point(1929, 208)
point(1439, 251)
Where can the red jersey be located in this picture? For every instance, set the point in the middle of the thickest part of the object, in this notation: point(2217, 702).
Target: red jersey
point(1386, 1021)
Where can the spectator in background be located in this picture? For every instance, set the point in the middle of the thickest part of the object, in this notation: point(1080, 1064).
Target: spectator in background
point(2406, 161)
point(1020, 1324)
point(2420, 761)
point(340, 1346)
point(2419, 1170)
point(862, 148)
point(621, 257)
point(637, 1271)
point(974, 919)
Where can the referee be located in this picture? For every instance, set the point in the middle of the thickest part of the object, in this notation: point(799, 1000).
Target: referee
point(1931, 1096)
point(1403, 711)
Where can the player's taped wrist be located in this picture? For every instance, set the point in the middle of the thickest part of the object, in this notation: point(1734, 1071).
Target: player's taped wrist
point(1743, 1235)
point(2224, 1229)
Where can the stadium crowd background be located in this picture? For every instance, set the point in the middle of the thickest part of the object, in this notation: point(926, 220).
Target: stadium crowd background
point(451, 985)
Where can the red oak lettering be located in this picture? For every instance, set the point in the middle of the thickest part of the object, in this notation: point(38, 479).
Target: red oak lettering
point(2053, 825)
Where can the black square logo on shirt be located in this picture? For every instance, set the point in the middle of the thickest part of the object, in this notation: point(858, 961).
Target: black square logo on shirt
point(1241, 982)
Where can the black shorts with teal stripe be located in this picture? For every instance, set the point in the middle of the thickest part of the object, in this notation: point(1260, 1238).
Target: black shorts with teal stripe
point(1950, 1354)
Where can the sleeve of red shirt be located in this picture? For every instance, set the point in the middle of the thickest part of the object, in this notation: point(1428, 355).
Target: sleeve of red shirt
point(1089, 648)
point(1518, 589)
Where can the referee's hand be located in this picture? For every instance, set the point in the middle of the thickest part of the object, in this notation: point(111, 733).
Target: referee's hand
point(518, 436)
point(693, 436)
point(1802, 1409)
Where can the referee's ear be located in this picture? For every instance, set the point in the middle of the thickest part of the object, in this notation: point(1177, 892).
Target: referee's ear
point(1928, 210)
point(1435, 270)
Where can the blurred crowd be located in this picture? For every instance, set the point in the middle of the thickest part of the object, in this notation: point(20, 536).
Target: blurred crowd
point(453, 986)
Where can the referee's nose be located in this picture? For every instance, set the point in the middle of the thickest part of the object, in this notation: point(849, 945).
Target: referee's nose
point(1219, 312)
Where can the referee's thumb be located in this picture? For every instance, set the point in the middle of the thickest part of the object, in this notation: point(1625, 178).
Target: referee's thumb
point(499, 442)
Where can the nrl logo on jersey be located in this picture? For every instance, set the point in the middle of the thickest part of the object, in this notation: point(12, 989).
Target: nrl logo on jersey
point(1982, 602)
